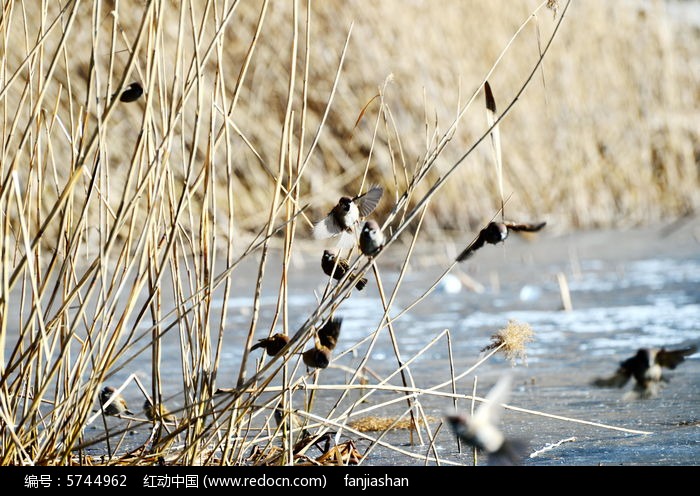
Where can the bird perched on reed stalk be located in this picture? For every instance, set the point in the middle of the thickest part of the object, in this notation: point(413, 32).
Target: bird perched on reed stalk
point(347, 213)
point(161, 413)
point(318, 357)
point(117, 406)
point(371, 238)
point(646, 368)
point(131, 93)
point(496, 232)
point(272, 345)
point(480, 430)
point(328, 262)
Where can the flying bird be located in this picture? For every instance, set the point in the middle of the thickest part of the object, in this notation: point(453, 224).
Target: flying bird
point(329, 333)
point(497, 232)
point(646, 368)
point(371, 238)
point(117, 406)
point(328, 262)
point(348, 212)
point(272, 345)
point(481, 432)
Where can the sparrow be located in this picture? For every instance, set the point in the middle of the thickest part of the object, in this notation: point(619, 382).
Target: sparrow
point(645, 366)
point(318, 357)
point(273, 345)
point(347, 213)
point(481, 432)
point(116, 407)
point(132, 93)
point(301, 435)
point(329, 333)
point(371, 238)
point(161, 413)
point(297, 422)
point(328, 261)
point(496, 232)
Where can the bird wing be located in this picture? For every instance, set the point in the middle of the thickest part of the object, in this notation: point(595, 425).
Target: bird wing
point(491, 408)
point(368, 202)
point(328, 334)
point(510, 453)
point(619, 379)
point(473, 246)
point(327, 228)
point(525, 227)
point(347, 239)
point(672, 358)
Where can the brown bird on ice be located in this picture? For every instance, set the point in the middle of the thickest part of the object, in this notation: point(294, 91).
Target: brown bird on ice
point(161, 413)
point(646, 368)
point(497, 232)
point(117, 406)
point(297, 423)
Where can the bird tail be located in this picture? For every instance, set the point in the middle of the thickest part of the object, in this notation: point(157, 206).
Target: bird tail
point(616, 381)
point(511, 452)
point(465, 254)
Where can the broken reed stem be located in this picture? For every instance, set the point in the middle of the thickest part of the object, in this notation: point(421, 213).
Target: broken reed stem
point(471, 412)
point(552, 446)
point(450, 359)
point(431, 446)
point(564, 292)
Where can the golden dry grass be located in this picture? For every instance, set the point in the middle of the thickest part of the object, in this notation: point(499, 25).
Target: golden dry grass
point(374, 423)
